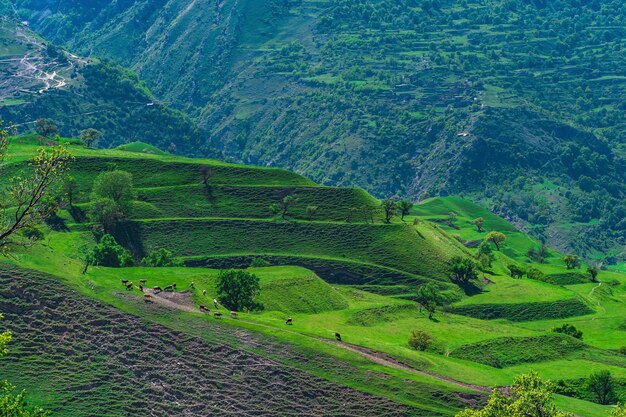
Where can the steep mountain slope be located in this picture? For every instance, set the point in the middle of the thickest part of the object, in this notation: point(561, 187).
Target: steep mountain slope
point(41, 80)
point(364, 278)
point(415, 98)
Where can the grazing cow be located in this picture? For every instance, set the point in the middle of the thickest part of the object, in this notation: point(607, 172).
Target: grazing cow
point(157, 289)
point(215, 303)
point(143, 281)
point(204, 292)
point(217, 314)
point(168, 288)
point(205, 309)
point(289, 321)
point(147, 298)
point(192, 284)
point(140, 288)
point(129, 286)
point(338, 336)
point(124, 281)
point(234, 314)
point(174, 285)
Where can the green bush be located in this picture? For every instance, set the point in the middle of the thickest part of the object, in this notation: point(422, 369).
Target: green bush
point(160, 258)
point(569, 330)
point(109, 253)
point(259, 263)
point(238, 290)
point(419, 340)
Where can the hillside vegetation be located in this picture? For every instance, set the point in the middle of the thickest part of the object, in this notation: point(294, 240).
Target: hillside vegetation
point(518, 103)
point(319, 276)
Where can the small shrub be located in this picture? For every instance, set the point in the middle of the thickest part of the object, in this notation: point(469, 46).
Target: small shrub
point(622, 350)
point(160, 258)
point(516, 271)
point(259, 263)
point(569, 330)
point(419, 340)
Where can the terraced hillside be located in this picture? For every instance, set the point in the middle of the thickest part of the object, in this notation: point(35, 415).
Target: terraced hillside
point(331, 273)
point(416, 98)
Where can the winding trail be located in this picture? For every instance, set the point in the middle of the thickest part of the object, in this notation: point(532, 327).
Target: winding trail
point(182, 301)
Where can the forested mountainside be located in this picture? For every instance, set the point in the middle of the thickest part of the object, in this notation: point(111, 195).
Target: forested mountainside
point(519, 104)
point(45, 81)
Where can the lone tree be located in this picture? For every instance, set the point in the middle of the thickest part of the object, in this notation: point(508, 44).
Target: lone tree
point(112, 196)
point(429, 297)
point(531, 397)
point(463, 269)
point(70, 189)
point(283, 206)
point(238, 289)
point(601, 385)
point(205, 172)
point(451, 219)
point(405, 207)
point(593, 272)
point(311, 211)
point(497, 238)
point(46, 128)
point(90, 137)
point(571, 261)
point(30, 197)
point(479, 223)
point(389, 206)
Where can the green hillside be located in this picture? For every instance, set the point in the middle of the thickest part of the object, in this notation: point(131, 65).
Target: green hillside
point(517, 103)
point(333, 273)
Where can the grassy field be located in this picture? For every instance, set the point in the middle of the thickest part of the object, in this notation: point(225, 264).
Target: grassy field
point(337, 274)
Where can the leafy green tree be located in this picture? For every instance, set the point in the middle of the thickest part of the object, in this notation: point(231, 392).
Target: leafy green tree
point(571, 261)
point(429, 297)
point(389, 206)
point(479, 222)
point(451, 219)
point(531, 397)
point(106, 213)
point(569, 330)
point(238, 290)
point(601, 385)
point(538, 255)
point(116, 185)
point(46, 128)
point(485, 254)
point(419, 340)
point(516, 271)
point(593, 273)
point(405, 207)
point(90, 137)
point(463, 269)
point(160, 258)
point(311, 211)
point(29, 197)
point(283, 206)
point(205, 172)
point(497, 238)
point(109, 253)
point(70, 189)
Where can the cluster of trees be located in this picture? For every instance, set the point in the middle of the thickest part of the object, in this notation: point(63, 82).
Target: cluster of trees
point(569, 330)
point(392, 207)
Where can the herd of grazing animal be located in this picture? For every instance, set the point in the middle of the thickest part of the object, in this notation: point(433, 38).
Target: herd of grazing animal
point(148, 298)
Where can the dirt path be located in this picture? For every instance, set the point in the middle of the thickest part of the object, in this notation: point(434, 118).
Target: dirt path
point(386, 360)
point(182, 301)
